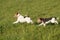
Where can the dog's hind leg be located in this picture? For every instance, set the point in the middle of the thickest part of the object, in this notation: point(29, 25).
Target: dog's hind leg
point(56, 22)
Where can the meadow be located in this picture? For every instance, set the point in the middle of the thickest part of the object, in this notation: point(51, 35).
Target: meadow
point(35, 9)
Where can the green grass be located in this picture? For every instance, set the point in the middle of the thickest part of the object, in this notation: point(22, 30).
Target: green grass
point(35, 9)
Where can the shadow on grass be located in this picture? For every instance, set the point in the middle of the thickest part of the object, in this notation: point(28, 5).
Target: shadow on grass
point(1, 30)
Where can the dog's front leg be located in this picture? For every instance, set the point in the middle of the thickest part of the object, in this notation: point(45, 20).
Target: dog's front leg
point(41, 24)
point(16, 22)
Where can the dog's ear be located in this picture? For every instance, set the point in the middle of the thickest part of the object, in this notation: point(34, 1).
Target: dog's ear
point(16, 14)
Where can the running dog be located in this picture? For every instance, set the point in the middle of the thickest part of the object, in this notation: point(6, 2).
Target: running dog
point(22, 19)
point(44, 21)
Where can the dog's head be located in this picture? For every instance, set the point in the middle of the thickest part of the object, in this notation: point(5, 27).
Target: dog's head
point(17, 14)
point(39, 20)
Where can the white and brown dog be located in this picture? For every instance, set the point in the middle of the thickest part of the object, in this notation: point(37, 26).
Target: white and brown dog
point(22, 19)
point(44, 21)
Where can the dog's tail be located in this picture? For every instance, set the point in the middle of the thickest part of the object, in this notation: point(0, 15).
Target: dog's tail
point(57, 18)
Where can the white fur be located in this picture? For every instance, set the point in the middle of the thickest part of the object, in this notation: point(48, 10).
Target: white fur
point(28, 20)
point(21, 19)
